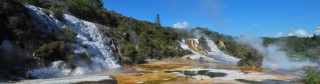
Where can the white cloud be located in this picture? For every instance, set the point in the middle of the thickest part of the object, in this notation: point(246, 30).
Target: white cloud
point(317, 31)
point(280, 34)
point(181, 25)
point(299, 33)
point(290, 34)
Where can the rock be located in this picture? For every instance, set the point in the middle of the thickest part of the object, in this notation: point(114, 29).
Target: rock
point(75, 80)
point(221, 44)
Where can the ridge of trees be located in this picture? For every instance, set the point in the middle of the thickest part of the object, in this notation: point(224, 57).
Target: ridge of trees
point(302, 48)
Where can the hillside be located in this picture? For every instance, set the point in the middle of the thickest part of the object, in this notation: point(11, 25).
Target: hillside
point(73, 37)
point(297, 48)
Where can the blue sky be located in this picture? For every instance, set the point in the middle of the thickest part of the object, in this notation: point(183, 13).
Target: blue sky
point(232, 17)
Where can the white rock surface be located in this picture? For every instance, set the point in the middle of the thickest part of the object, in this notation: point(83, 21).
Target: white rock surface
point(88, 35)
point(215, 55)
point(67, 80)
point(232, 75)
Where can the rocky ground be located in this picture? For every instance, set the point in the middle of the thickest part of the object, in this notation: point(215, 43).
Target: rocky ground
point(72, 80)
point(180, 71)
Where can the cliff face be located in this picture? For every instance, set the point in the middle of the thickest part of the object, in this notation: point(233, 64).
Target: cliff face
point(92, 49)
point(50, 47)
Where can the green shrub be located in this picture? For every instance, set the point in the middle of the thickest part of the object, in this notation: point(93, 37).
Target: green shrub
point(57, 12)
point(67, 35)
point(129, 51)
point(90, 11)
point(250, 58)
point(312, 77)
point(54, 51)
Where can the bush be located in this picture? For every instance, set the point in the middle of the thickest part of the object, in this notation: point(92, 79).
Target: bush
point(312, 77)
point(67, 35)
point(250, 59)
point(129, 51)
point(57, 12)
point(91, 11)
point(54, 51)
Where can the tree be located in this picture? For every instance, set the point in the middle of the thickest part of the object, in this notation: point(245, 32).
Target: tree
point(158, 20)
point(54, 51)
point(98, 3)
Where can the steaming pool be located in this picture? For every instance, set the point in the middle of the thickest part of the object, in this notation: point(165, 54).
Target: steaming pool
point(180, 71)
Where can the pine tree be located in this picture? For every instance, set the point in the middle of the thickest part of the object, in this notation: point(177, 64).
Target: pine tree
point(158, 20)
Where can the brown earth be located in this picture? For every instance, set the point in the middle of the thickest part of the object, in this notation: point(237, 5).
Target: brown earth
point(154, 73)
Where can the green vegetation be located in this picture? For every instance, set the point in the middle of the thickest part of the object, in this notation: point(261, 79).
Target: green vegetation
point(312, 77)
point(135, 40)
point(90, 10)
point(54, 51)
point(60, 49)
point(248, 55)
point(30, 46)
point(300, 49)
point(303, 48)
point(130, 52)
point(57, 12)
point(151, 40)
point(16, 27)
point(66, 35)
point(158, 20)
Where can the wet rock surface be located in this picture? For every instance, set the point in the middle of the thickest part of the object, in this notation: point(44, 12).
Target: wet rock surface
point(200, 72)
point(178, 71)
point(85, 79)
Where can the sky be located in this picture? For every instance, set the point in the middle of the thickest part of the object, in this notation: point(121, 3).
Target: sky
point(262, 18)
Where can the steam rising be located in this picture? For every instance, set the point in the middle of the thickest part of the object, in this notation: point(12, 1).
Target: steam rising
point(273, 56)
point(9, 52)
